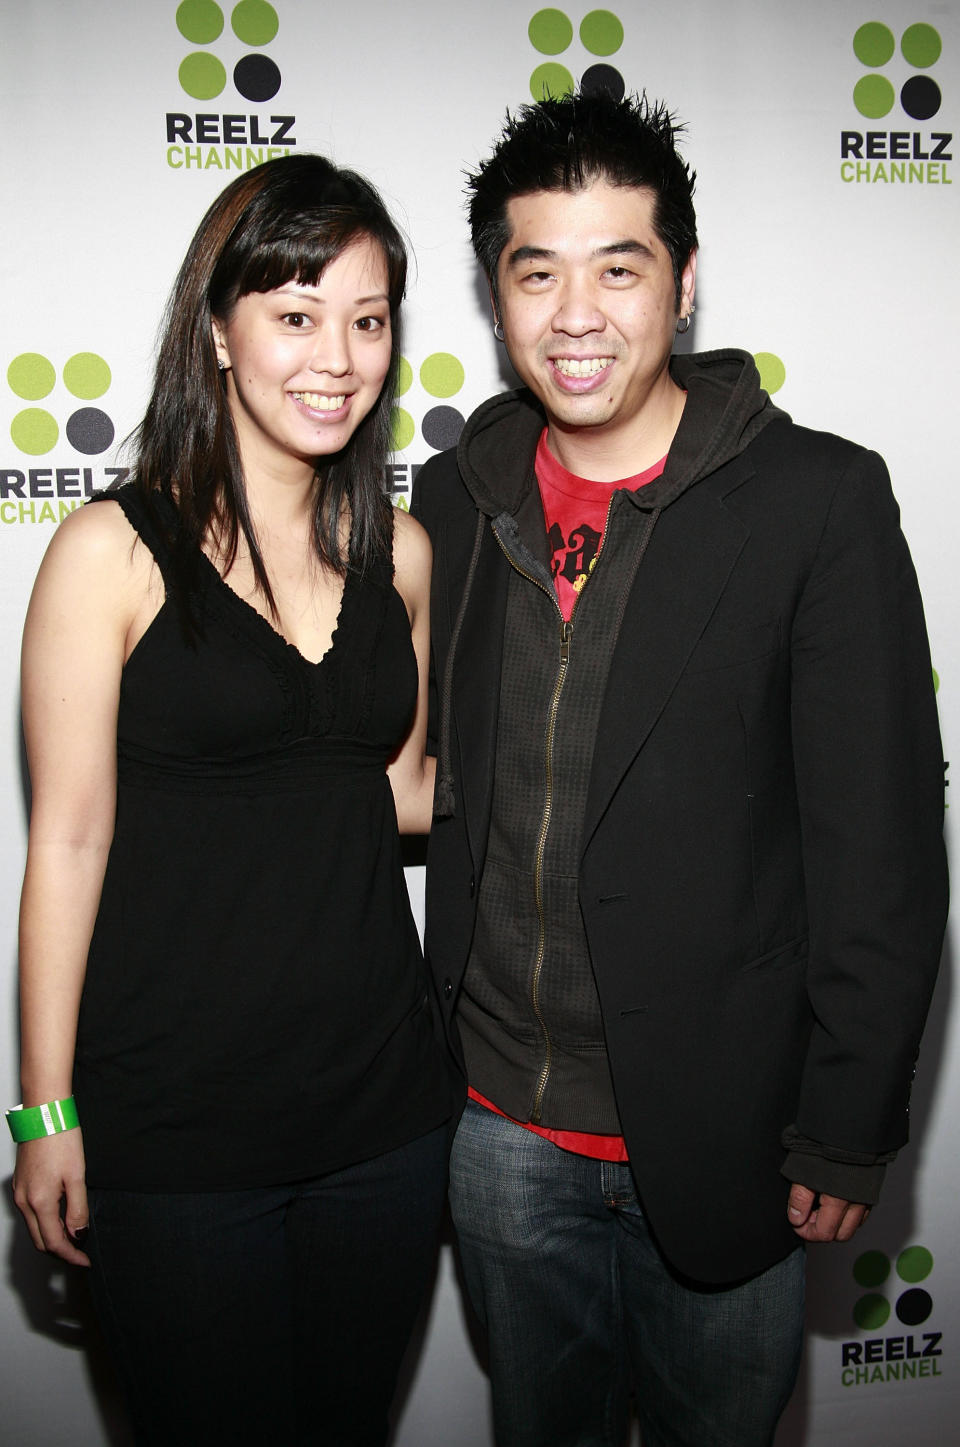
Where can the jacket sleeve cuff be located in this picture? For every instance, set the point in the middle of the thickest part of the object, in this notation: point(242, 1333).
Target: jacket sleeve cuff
point(849, 1175)
point(831, 1178)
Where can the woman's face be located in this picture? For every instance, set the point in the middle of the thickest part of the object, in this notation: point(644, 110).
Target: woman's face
point(307, 363)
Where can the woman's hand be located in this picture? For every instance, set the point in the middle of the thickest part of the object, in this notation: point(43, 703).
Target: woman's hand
point(50, 1171)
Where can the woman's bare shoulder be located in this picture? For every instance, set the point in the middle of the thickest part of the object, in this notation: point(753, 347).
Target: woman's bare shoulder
point(98, 533)
point(97, 551)
point(411, 543)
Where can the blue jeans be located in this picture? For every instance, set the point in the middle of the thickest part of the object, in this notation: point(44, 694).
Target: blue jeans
point(275, 1315)
point(581, 1309)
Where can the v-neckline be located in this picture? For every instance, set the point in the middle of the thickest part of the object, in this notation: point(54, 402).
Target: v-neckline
point(266, 629)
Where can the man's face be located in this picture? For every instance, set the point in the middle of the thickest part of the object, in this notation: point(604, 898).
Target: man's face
point(588, 302)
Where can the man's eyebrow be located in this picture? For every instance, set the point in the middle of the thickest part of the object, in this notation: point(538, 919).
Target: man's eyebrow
point(530, 253)
point(627, 247)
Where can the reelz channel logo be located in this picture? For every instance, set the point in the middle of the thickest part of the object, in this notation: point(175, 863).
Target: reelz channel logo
point(441, 377)
point(903, 155)
point(551, 33)
point(232, 139)
point(46, 494)
point(901, 1355)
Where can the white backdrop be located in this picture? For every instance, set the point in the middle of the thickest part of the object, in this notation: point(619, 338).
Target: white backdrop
point(824, 138)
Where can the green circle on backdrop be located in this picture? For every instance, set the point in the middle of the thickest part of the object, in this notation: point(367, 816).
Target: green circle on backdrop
point(202, 75)
point(601, 32)
point(199, 21)
point(86, 375)
point(874, 44)
point(936, 681)
point(921, 45)
point(402, 427)
point(773, 373)
point(254, 22)
point(871, 1269)
point(441, 375)
point(915, 1263)
point(34, 431)
point(550, 81)
point(550, 32)
point(31, 376)
point(873, 96)
point(404, 377)
point(871, 1312)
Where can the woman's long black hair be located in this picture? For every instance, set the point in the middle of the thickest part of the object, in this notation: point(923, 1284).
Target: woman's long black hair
point(280, 222)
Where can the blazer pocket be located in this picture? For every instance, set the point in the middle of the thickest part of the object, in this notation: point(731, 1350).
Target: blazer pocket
point(727, 647)
point(793, 952)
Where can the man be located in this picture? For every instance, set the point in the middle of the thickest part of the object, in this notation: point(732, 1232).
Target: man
point(686, 886)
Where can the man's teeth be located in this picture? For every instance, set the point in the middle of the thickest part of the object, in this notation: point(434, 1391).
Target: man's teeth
point(575, 367)
point(319, 403)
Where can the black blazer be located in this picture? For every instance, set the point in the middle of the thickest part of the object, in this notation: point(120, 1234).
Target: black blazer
point(762, 878)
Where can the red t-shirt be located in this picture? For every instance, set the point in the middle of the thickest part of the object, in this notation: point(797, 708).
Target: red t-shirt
point(575, 511)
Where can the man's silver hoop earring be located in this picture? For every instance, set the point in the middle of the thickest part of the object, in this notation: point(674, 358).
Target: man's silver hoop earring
point(498, 331)
point(683, 325)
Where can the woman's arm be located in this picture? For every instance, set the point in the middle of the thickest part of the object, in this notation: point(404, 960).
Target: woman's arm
point(410, 772)
point(89, 596)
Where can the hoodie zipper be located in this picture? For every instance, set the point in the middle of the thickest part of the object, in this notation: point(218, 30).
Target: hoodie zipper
point(566, 638)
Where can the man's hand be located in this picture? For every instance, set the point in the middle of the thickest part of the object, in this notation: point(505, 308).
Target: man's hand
point(816, 1217)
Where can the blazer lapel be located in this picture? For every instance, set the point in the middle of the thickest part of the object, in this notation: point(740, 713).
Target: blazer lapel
point(694, 547)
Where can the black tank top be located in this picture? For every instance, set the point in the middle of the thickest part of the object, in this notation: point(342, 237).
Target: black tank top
point(255, 1007)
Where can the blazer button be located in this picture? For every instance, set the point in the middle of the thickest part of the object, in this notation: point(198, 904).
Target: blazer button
point(447, 989)
point(473, 886)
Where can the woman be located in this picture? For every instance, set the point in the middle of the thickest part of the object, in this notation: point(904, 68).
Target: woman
point(223, 676)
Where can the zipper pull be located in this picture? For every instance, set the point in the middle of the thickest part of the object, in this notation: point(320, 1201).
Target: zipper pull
point(566, 633)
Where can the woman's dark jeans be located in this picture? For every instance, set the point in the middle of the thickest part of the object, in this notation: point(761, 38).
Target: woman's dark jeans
point(271, 1316)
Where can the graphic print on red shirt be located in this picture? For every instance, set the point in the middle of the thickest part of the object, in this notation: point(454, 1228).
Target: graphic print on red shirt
point(575, 511)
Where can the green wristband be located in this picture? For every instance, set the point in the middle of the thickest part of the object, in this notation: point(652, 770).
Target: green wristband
point(41, 1120)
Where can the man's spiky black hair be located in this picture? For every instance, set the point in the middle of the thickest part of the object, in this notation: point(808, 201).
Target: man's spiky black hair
point(566, 145)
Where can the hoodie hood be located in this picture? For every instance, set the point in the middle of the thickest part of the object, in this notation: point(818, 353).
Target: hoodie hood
point(726, 408)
